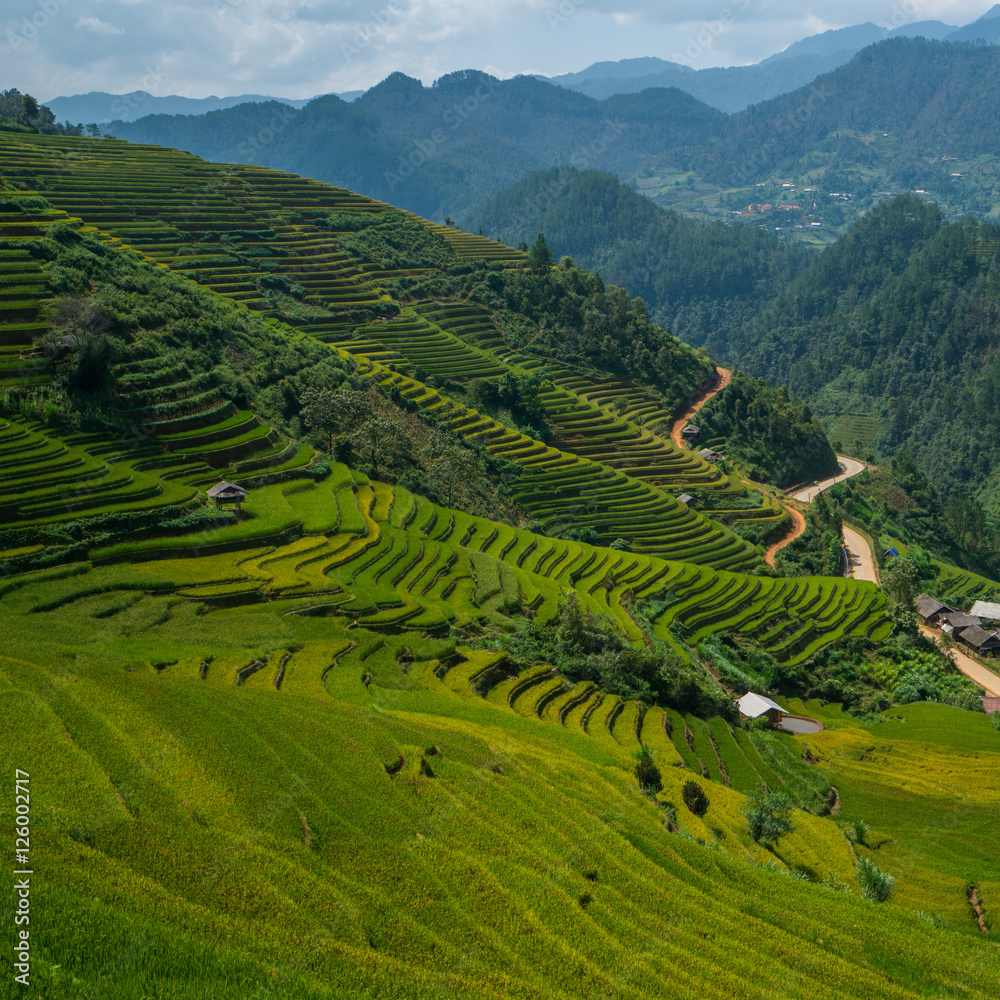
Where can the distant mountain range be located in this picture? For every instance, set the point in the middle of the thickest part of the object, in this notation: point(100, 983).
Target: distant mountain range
point(100, 107)
point(904, 114)
point(729, 89)
point(734, 88)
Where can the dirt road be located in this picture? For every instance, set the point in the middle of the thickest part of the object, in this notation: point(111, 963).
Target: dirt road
point(725, 376)
point(798, 527)
point(976, 672)
point(860, 559)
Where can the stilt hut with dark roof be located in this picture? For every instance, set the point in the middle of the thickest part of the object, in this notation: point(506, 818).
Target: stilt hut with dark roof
point(979, 640)
point(932, 611)
point(228, 496)
point(690, 433)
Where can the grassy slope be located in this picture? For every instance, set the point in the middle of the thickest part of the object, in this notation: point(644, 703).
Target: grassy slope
point(196, 831)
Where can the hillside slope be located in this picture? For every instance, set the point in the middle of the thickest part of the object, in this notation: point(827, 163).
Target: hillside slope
point(305, 750)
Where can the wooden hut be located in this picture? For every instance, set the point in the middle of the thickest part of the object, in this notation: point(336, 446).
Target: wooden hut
point(932, 611)
point(709, 455)
point(690, 433)
point(228, 496)
point(753, 706)
point(979, 640)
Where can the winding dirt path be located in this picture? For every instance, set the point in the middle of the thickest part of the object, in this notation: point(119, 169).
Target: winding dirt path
point(723, 379)
point(798, 523)
point(798, 527)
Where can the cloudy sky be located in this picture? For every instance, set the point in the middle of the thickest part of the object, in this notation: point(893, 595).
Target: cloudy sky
point(299, 48)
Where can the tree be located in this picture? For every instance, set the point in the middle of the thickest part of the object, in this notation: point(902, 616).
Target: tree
point(322, 410)
point(539, 256)
point(901, 580)
point(450, 466)
point(768, 815)
point(695, 798)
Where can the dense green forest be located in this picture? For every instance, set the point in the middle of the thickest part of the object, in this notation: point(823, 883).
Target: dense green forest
point(698, 279)
point(775, 438)
point(896, 320)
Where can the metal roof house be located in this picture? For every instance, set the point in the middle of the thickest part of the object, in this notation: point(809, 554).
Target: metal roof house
point(930, 610)
point(227, 495)
point(709, 455)
point(686, 498)
point(753, 706)
point(987, 610)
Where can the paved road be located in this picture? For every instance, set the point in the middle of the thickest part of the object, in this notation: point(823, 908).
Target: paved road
point(848, 467)
point(861, 563)
point(974, 671)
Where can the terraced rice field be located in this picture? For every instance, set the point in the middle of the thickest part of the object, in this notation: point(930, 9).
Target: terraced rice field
point(163, 202)
point(854, 432)
point(383, 559)
point(274, 761)
point(607, 469)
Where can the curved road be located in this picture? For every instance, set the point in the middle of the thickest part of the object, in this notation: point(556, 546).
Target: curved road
point(860, 560)
point(848, 467)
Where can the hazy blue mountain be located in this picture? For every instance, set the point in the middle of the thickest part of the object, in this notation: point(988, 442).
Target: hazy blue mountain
point(986, 28)
point(101, 107)
point(733, 88)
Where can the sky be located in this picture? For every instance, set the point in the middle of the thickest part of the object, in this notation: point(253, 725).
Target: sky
point(301, 48)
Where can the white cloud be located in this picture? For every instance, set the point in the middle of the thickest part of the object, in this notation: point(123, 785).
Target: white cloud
point(97, 26)
point(299, 48)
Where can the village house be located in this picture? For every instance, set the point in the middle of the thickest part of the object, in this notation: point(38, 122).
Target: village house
point(986, 610)
point(690, 433)
point(932, 611)
point(956, 621)
point(709, 455)
point(979, 640)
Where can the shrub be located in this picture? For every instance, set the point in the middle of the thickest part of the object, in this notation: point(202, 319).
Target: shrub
point(857, 830)
point(996, 720)
point(876, 884)
point(694, 798)
point(648, 775)
point(768, 815)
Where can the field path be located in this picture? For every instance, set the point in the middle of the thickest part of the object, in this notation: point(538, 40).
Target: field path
point(724, 378)
point(798, 527)
point(976, 672)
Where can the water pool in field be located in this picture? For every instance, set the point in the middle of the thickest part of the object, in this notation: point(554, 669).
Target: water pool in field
point(798, 724)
